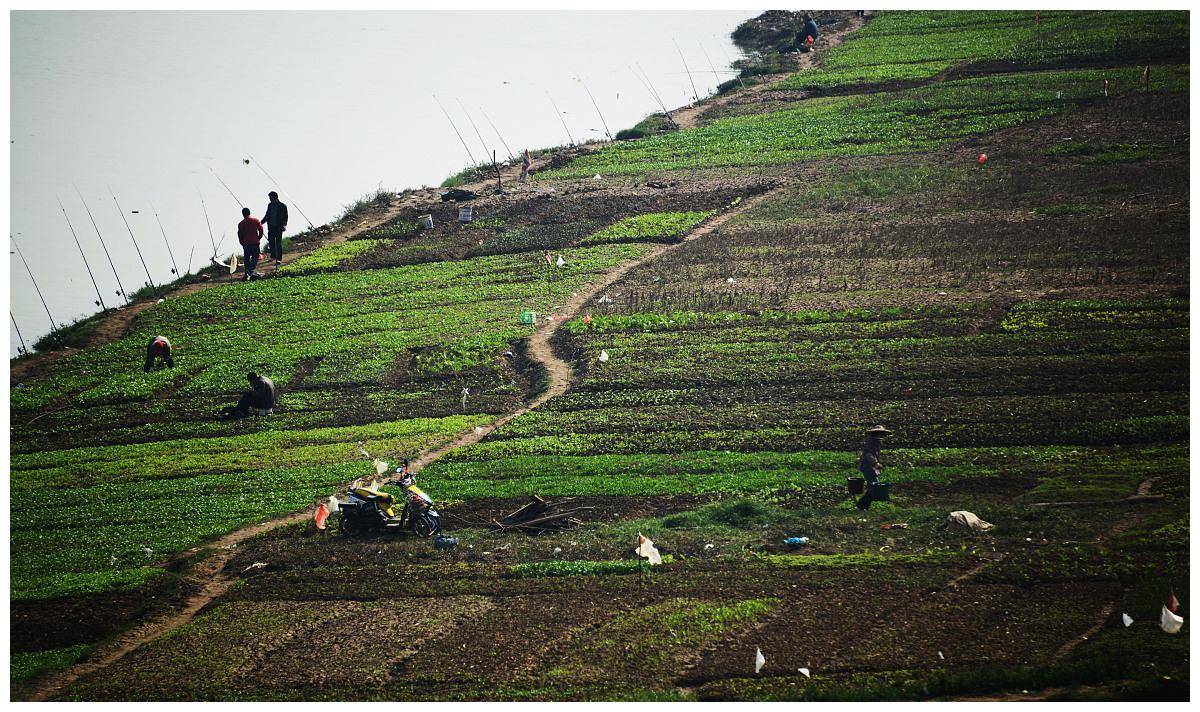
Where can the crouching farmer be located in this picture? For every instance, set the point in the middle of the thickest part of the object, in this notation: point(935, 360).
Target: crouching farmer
point(260, 399)
point(159, 348)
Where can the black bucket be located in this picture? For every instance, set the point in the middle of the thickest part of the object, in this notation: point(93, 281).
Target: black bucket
point(856, 485)
point(880, 491)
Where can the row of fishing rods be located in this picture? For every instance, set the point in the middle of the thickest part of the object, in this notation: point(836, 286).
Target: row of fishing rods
point(121, 292)
point(643, 78)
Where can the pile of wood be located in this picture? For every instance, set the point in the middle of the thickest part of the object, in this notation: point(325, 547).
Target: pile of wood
point(540, 516)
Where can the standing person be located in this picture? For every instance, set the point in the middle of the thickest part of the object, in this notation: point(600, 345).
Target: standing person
point(158, 348)
point(526, 163)
point(250, 234)
point(868, 462)
point(275, 219)
point(262, 398)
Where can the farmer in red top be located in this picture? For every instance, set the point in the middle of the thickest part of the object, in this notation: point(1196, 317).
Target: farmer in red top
point(158, 348)
point(250, 234)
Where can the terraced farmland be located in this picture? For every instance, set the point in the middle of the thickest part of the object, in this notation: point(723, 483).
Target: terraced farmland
point(736, 304)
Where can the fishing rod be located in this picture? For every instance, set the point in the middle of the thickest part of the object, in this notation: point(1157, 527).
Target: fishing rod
point(695, 94)
point(191, 253)
point(648, 89)
point(472, 122)
point(729, 60)
point(149, 279)
point(120, 287)
point(99, 299)
point(511, 157)
point(456, 131)
point(560, 118)
point(24, 349)
point(597, 106)
point(207, 222)
point(289, 195)
point(227, 188)
point(653, 90)
point(53, 326)
point(174, 267)
point(716, 76)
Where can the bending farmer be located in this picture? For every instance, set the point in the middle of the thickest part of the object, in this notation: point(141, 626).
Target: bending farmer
point(260, 399)
point(808, 35)
point(158, 348)
point(276, 221)
point(868, 463)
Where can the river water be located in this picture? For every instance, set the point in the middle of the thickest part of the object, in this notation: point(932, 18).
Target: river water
point(157, 105)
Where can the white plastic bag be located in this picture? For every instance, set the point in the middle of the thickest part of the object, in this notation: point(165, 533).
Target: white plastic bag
point(334, 504)
point(647, 550)
point(561, 262)
point(1170, 622)
point(963, 518)
point(233, 263)
point(805, 672)
point(380, 466)
point(1126, 620)
point(759, 660)
point(603, 356)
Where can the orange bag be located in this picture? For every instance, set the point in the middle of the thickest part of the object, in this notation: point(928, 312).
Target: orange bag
point(321, 515)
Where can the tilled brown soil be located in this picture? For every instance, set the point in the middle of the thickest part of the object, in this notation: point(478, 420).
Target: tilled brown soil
point(527, 634)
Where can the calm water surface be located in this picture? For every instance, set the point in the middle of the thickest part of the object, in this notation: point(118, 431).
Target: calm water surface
point(331, 105)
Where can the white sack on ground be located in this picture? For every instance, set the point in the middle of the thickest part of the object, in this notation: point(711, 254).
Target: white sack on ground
point(962, 518)
point(646, 550)
point(1170, 622)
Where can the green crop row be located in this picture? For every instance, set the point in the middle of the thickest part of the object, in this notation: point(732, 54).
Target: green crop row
point(649, 227)
point(884, 123)
point(109, 536)
point(477, 471)
point(908, 46)
point(329, 257)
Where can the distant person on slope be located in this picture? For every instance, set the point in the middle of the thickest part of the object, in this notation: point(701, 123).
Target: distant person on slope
point(158, 348)
point(868, 462)
point(250, 234)
point(526, 163)
point(261, 398)
point(275, 219)
point(809, 30)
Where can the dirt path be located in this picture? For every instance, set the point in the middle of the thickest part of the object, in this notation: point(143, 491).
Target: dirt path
point(208, 577)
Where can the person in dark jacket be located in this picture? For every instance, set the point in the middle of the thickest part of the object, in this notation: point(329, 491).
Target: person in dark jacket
point(809, 30)
point(868, 463)
point(261, 398)
point(275, 219)
point(158, 348)
point(250, 234)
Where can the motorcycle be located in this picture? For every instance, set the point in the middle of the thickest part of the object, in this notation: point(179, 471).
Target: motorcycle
point(370, 510)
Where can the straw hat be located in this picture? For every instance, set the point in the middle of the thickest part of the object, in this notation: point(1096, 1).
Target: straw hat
point(879, 430)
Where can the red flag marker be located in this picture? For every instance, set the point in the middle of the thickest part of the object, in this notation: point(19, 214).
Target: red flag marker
point(1173, 603)
point(982, 158)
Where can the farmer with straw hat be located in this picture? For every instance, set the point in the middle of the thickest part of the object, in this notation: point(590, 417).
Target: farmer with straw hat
point(868, 462)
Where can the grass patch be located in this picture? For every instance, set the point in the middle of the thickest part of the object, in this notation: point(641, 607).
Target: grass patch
point(538, 569)
point(378, 198)
point(23, 667)
point(329, 257)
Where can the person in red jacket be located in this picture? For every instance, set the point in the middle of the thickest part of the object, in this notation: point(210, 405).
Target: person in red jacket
point(250, 234)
